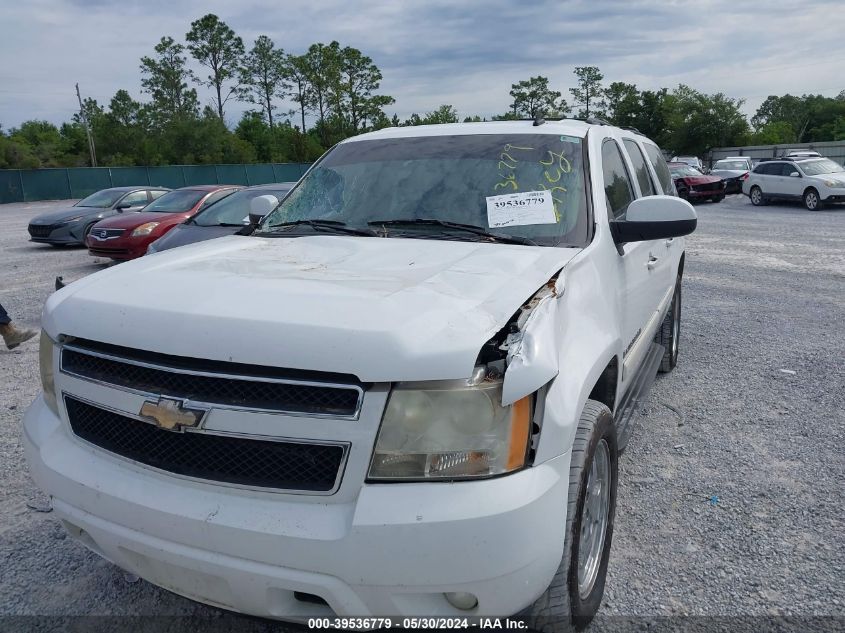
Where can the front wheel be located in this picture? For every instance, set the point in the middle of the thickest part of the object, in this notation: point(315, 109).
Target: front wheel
point(756, 196)
point(576, 591)
point(717, 198)
point(812, 200)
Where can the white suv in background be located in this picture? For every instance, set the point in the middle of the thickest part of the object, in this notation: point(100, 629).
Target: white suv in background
point(402, 395)
point(815, 181)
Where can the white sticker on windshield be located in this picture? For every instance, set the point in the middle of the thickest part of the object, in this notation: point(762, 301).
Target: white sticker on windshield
point(516, 209)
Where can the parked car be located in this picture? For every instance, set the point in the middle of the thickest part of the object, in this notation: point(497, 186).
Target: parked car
point(404, 394)
point(70, 225)
point(733, 172)
point(815, 181)
point(747, 160)
point(224, 217)
point(694, 185)
point(803, 153)
point(128, 236)
point(692, 161)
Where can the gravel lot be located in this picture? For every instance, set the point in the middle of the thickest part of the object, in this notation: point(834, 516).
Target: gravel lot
point(731, 490)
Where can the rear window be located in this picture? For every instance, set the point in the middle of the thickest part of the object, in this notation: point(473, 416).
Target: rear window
point(638, 160)
point(657, 161)
point(731, 164)
point(767, 169)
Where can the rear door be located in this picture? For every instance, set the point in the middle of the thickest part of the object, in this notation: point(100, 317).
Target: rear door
point(767, 177)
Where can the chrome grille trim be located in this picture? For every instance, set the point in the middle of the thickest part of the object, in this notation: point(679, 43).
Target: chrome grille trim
point(217, 375)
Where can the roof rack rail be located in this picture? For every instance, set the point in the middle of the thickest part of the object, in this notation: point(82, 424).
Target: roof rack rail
point(631, 128)
point(597, 121)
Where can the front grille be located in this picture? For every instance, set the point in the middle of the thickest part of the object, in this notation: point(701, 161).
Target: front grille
point(251, 392)
point(102, 234)
point(284, 465)
point(711, 186)
point(40, 230)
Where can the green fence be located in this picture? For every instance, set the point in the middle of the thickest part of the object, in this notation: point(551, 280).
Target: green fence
point(29, 185)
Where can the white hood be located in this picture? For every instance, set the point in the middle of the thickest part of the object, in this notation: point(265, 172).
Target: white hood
point(380, 309)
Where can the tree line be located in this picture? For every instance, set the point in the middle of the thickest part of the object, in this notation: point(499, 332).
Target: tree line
point(336, 89)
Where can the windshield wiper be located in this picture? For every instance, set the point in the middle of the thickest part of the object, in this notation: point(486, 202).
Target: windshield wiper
point(457, 226)
point(321, 225)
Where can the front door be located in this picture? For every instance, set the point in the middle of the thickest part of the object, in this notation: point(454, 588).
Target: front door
point(636, 262)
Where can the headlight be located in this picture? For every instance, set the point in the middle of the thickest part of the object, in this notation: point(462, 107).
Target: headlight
point(450, 431)
point(145, 229)
point(73, 219)
point(45, 362)
point(834, 183)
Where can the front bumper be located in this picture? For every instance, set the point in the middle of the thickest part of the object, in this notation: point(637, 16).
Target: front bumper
point(393, 550)
point(121, 248)
point(63, 234)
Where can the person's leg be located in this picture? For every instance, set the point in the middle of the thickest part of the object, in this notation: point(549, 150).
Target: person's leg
point(12, 335)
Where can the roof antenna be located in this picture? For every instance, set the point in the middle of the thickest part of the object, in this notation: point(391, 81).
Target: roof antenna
point(538, 118)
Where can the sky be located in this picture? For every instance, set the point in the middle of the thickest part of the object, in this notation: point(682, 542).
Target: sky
point(431, 52)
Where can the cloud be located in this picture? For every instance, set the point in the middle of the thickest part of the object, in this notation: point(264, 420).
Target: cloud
point(436, 52)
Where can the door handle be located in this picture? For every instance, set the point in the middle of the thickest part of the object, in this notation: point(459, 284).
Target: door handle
point(652, 261)
point(669, 241)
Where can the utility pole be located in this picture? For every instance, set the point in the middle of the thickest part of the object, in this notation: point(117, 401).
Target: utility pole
point(91, 148)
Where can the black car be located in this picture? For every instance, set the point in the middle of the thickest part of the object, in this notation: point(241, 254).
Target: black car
point(226, 217)
point(70, 225)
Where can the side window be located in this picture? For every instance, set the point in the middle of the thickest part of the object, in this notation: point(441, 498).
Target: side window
point(217, 195)
point(135, 199)
point(617, 182)
point(638, 160)
point(659, 163)
point(788, 168)
point(768, 169)
point(157, 193)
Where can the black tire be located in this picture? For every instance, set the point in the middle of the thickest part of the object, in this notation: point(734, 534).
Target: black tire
point(717, 198)
point(756, 195)
point(812, 201)
point(562, 607)
point(670, 331)
point(85, 233)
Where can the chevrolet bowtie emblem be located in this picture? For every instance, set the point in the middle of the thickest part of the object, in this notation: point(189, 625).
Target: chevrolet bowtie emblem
point(171, 414)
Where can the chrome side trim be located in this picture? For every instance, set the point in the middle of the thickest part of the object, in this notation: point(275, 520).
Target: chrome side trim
point(213, 482)
point(637, 351)
point(201, 403)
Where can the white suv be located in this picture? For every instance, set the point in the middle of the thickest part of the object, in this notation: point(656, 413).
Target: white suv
point(403, 395)
point(815, 181)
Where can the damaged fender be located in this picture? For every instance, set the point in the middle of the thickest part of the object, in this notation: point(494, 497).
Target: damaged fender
point(532, 359)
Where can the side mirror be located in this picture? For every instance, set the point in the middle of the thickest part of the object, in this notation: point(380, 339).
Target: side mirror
point(261, 206)
point(653, 218)
point(123, 205)
point(795, 174)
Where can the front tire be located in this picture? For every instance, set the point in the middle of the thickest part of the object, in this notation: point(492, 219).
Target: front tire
point(756, 195)
point(812, 200)
point(717, 198)
point(576, 591)
point(670, 332)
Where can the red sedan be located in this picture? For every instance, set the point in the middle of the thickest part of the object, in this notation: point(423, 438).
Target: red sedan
point(694, 185)
point(127, 236)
